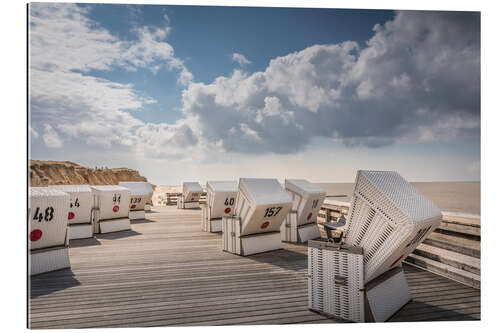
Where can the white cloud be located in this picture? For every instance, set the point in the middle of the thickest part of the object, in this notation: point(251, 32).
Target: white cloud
point(65, 46)
point(166, 18)
point(250, 133)
point(33, 133)
point(63, 38)
point(240, 59)
point(403, 85)
point(165, 140)
point(51, 138)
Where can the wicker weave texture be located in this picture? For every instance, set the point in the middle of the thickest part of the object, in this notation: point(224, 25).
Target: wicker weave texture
point(113, 201)
point(81, 202)
point(325, 268)
point(231, 235)
point(47, 217)
point(388, 219)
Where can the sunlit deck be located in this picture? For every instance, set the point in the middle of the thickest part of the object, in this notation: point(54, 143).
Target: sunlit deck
point(166, 271)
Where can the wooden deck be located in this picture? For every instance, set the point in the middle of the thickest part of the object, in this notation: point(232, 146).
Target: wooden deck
point(166, 271)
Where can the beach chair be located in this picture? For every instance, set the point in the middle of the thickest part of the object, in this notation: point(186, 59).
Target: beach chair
point(261, 208)
point(80, 210)
point(221, 200)
point(48, 210)
point(388, 218)
point(190, 196)
point(112, 208)
point(140, 195)
point(300, 224)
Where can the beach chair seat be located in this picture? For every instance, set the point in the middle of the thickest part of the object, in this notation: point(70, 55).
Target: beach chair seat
point(336, 285)
point(112, 204)
point(388, 218)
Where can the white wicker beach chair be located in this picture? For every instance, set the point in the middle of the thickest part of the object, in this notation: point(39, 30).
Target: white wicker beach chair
point(388, 218)
point(191, 193)
point(111, 214)
point(80, 210)
point(48, 229)
point(140, 195)
point(221, 200)
point(301, 223)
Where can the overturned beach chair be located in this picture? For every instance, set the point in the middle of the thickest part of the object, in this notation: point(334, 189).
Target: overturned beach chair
point(388, 218)
point(80, 210)
point(112, 208)
point(190, 197)
point(301, 224)
point(221, 200)
point(261, 208)
point(48, 230)
point(140, 195)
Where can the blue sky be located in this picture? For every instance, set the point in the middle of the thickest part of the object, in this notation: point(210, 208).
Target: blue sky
point(197, 93)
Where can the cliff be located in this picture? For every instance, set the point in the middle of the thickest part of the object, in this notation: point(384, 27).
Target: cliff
point(43, 173)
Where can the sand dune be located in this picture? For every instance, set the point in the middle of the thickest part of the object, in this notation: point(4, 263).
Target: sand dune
point(43, 173)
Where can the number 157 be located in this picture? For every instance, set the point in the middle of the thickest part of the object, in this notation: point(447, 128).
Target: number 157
point(272, 211)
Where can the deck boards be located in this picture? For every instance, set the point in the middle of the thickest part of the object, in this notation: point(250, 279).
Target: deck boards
point(166, 271)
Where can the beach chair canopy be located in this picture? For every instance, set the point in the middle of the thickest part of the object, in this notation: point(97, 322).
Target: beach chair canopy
point(262, 204)
point(191, 191)
point(47, 217)
point(221, 197)
point(80, 204)
point(307, 199)
point(140, 194)
point(112, 200)
point(388, 218)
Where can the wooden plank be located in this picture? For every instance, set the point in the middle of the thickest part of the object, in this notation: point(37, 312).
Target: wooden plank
point(168, 272)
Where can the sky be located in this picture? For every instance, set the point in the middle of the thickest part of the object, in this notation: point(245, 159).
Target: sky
point(193, 93)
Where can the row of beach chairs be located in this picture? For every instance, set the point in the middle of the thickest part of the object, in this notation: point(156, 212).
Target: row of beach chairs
point(60, 213)
point(356, 272)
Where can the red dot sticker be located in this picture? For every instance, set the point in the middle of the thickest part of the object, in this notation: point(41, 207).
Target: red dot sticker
point(35, 235)
point(309, 216)
point(116, 208)
point(227, 210)
point(71, 215)
point(132, 207)
point(264, 225)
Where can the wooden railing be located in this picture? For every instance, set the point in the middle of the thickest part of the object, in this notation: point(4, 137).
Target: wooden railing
point(170, 199)
point(332, 210)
